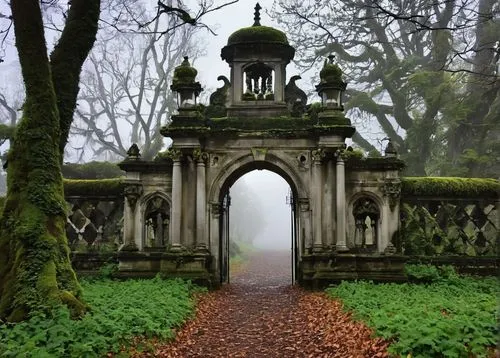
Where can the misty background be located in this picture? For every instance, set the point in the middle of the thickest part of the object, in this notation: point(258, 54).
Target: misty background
point(429, 82)
point(259, 212)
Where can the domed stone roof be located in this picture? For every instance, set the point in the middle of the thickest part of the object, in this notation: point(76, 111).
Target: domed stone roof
point(263, 41)
point(257, 33)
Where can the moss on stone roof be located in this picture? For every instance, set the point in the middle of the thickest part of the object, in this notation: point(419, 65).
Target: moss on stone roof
point(330, 72)
point(257, 34)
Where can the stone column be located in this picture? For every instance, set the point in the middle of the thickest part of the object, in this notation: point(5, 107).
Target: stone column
point(176, 223)
point(305, 225)
point(237, 82)
point(132, 193)
point(215, 211)
point(328, 206)
point(201, 202)
point(279, 83)
point(341, 206)
point(317, 186)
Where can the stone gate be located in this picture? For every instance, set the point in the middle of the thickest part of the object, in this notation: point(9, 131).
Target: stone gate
point(346, 211)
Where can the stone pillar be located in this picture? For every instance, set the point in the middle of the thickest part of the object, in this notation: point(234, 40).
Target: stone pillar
point(317, 200)
point(341, 206)
point(201, 203)
point(279, 82)
point(132, 192)
point(215, 211)
point(390, 214)
point(328, 205)
point(305, 225)
point(237, 82)
point(176, 222)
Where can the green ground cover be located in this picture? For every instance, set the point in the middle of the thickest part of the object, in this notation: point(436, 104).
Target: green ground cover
point(447, 316)
point(120, 311)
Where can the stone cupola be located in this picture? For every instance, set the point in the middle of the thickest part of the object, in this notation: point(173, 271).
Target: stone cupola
point(258, 56)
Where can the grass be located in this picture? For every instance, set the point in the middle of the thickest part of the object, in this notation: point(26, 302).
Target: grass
point(120, 311)
point(448, 317)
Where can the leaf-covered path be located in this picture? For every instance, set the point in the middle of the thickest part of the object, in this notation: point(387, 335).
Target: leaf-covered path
point(261, 315)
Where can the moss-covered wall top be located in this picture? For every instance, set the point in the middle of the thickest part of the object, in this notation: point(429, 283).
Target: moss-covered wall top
point(267, 127)
point(446, 187)
point(92, 170)
point(93, 188)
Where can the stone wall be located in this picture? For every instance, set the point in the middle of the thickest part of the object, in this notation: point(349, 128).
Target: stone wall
point(449, 223)
point(95, 215)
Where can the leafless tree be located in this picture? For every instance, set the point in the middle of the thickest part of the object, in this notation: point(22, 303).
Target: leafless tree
point(407, 63)
point(125, 95)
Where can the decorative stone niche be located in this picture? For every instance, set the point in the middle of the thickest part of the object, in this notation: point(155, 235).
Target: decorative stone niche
point(156, 223)
point(366, 225)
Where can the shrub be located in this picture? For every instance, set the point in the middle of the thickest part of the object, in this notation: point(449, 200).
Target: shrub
point(451, 317)
point(120, 311)
point(430, 273)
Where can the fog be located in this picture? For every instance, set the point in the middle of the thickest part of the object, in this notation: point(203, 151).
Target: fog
point(268, 225)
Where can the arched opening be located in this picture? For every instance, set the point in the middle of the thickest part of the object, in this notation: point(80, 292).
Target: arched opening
point(366, 220)
point(258, 210)
point(258, 82)
point(156, 223)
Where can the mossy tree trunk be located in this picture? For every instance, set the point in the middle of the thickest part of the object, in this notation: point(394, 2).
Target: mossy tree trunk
point(35, 270)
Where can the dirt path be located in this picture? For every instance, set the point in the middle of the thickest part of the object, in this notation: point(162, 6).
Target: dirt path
point(261, 315)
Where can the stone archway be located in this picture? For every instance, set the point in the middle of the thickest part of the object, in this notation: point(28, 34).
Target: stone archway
point(226, 177)
point(261, 130)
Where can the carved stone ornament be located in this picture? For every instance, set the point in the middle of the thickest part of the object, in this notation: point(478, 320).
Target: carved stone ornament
point(317, 155)
point(133, 152)
point(200, 156)
point(392, 189)
point(175, 154)
point(132, 193)
point(216, 209)
point(390, 250)
point(304, 204)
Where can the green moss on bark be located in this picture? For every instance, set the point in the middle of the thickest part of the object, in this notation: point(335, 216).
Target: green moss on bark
point(35, 270)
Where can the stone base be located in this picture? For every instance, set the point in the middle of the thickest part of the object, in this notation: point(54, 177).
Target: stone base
point(189, 266)
point(317, 271)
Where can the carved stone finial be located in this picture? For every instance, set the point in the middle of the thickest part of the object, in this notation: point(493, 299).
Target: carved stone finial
point(257, 15)
point(390, 149)
point(133, 152)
